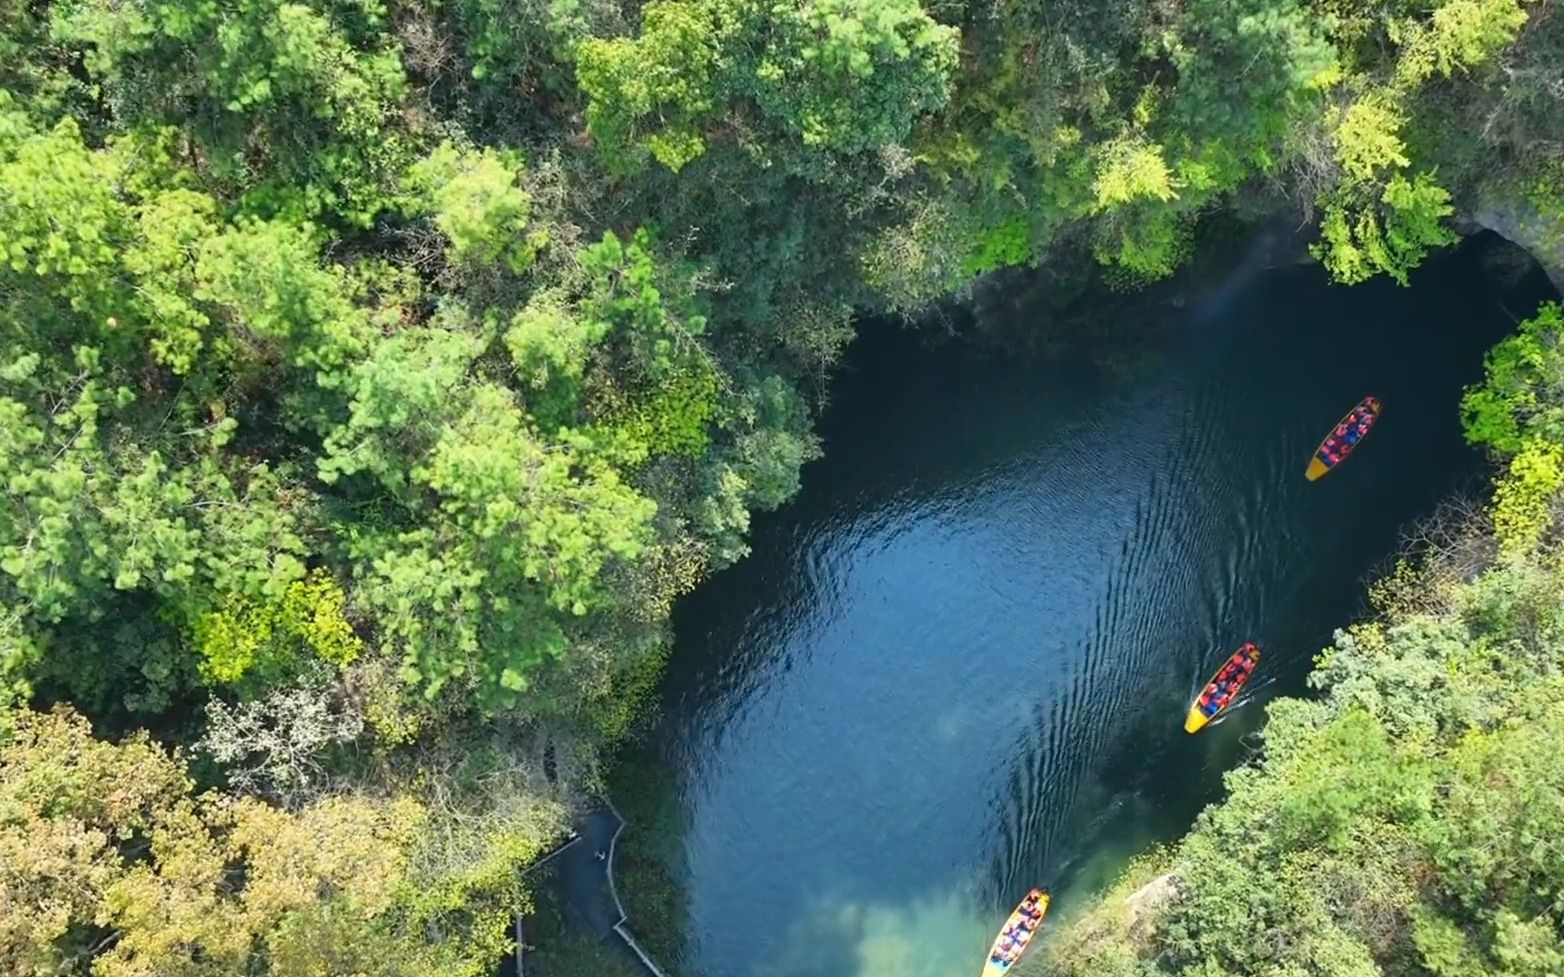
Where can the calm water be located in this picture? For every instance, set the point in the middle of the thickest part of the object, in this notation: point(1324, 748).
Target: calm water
point(958, 665)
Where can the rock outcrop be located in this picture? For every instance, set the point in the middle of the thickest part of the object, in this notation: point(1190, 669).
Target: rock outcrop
point(1522, 224)
point(1146, 903)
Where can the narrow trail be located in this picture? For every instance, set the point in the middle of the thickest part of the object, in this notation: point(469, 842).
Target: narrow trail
point(584, 867)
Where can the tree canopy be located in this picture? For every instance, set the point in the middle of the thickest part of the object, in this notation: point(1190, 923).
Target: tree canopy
point(374, 376)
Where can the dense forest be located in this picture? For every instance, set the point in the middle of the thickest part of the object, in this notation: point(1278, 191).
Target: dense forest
point(374, 376)
point(1411, 821)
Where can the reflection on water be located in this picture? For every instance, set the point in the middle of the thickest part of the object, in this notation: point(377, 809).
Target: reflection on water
point(958, 665)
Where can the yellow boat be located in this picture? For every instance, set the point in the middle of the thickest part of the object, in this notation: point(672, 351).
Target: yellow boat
point(1335, 448)
point(1013, 941)
point(1218, 694)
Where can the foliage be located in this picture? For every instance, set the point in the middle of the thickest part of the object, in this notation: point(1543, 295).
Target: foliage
point(674, 419)
point(851, 76)
point(840, 77)
point(668, 73)
point(1459, 35)
point(1523, 499)
point(1515, 412)
point(320, 82)
point(248, 634)
point(107, 839)
point(1131, 169)
point(627, 292)
point(1376, 221)
point(478, 206)
point(1523, 388)
point(1362, 237)
point(374, 377)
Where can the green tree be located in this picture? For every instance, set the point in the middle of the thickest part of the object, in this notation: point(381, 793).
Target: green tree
point(478, 206)
point(844, 78)
point(318, 85)
point(664, 82)
point(1523, 387)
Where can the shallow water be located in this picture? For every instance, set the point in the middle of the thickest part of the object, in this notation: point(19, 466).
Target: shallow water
point(958, 664)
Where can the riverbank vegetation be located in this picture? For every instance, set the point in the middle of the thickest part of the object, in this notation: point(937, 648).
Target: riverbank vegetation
point(1408, 820)
point(374, 376)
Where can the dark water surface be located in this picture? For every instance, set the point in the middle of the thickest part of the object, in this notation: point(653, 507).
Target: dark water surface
point(958, 664)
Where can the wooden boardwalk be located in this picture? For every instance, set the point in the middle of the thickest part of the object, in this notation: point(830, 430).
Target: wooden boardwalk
point(584, 866)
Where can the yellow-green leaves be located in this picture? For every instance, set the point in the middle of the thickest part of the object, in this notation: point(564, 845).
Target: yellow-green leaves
point(1362, 236)
point(1130, 169)
point(1382, 215)
point(552, 514)
point(549, 342)
point(1524, 496)
point(173, 226)
point(42, 177)
point(674, 418)
point(1135, 232)
point(101, 836)
point(1460, 35)
point(1367, 137)
point(1375, 219)
point(1517, 412)
point(276, 637)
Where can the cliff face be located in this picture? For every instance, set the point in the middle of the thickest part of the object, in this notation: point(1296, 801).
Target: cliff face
point(1521, 223)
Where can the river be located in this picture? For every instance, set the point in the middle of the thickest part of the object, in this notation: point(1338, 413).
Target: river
point(957, 665)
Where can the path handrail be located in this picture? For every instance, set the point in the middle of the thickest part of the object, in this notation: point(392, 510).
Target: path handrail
point(620, 928)
point(613, 842)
